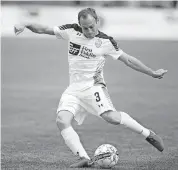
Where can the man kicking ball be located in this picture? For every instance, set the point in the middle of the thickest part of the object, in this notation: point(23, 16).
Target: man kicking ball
point(87, 93)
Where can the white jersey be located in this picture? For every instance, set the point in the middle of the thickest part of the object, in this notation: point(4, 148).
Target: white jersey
point(86, 57)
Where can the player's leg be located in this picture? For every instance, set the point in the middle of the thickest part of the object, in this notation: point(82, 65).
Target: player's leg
point(64, 122)
point(105, 109)
point(117, 118)
point(66, 112)
point(123, 118)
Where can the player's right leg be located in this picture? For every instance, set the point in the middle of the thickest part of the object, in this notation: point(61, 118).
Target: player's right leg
point(64, 122)
point(68, 108)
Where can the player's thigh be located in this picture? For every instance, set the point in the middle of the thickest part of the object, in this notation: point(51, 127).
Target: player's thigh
point(113, 117)
point(64, 117)
point(69, 108)
point(99, 100)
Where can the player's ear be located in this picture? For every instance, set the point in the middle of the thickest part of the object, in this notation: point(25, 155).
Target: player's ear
point(97, 20)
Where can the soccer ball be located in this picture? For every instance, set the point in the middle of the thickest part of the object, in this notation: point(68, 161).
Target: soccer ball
point(106, 156)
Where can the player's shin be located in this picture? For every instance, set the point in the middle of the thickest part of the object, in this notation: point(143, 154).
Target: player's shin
point(72, 140)
point(133, 124)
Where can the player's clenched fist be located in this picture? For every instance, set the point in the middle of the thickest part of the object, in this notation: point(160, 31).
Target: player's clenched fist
point(19, 28)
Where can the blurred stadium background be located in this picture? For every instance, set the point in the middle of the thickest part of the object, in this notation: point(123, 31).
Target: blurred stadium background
point(34, 73)
point(124, 19)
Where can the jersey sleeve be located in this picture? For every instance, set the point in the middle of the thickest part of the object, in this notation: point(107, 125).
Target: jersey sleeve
point(63, 32)
point(112, 49)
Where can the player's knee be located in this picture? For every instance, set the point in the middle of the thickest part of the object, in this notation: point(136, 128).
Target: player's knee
point(112, 117)
point(64, 119)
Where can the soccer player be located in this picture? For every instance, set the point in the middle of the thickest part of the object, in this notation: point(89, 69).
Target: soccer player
point(87, 93)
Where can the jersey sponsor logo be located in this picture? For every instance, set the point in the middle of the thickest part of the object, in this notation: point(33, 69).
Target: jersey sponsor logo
point(87, 53)
point(74, 48)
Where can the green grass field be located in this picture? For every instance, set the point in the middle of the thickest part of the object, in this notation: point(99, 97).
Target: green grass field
point(34, 75)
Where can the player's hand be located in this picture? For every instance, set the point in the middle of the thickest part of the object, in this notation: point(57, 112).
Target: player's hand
point(18, 29)
point(159, 73)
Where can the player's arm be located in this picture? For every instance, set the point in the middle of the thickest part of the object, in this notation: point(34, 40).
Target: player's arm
point(36, 28)
point(137, 65)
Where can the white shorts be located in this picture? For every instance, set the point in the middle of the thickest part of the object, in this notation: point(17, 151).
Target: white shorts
point(94, 100)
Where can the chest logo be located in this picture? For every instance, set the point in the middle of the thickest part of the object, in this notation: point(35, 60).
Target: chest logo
point(82, 51)
point(74, 48)
point(98, 43)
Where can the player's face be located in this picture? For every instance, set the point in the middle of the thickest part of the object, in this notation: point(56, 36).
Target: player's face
point(89, 26)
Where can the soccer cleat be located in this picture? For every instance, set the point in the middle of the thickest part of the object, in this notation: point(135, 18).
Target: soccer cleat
point(156, 141)
point(82, 163)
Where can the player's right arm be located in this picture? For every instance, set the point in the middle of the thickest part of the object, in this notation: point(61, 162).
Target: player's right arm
point(36, 28)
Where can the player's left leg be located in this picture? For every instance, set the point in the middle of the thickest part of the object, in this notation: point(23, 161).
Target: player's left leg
point(104, 108)
point(117, 118)
point(103, 105)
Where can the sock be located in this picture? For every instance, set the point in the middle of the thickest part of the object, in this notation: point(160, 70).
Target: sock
point(133, 125)
point(72, 140)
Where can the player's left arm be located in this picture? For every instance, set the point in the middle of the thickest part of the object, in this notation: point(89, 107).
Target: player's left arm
point(137, 65)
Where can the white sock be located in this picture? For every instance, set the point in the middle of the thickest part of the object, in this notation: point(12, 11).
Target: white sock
point(72, 140)
point(133, 125)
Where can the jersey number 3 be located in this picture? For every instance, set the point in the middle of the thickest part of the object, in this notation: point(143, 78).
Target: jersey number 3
point(97, 96)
